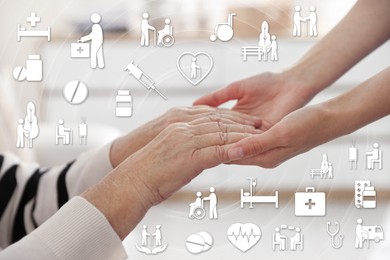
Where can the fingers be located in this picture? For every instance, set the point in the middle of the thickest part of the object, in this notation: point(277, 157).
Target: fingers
point(231, 92)
point(252, 146)
point(200, 129)
point(227, 115)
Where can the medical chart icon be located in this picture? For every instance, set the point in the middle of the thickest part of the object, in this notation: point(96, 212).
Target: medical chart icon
point(163, 37)
point(197, 208)
point(194, 67)
point(199, 243)
point(310, 203)
point(249, 197)
point(244, 236)
point(151, 244)
point(326, 170)
point(284, 237)
point(334, 234)
point(365, 195)
point(27, 128)
point(311, 21)
point(33, 19)
point(142, 78)
point(267, 46)
point(224, 31)
point(365, 234)
point(75, 92)
point(33, 70)
point(373, 157)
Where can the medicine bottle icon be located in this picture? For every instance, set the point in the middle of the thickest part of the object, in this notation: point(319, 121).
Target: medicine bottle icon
point(124, 104)
point(34, 68)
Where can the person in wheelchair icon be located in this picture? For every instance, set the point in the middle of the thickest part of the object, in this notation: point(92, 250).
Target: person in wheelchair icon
point(165, 36)
point(197, 208)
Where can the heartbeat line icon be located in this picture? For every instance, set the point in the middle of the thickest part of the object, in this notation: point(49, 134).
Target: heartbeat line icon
point(244, 236)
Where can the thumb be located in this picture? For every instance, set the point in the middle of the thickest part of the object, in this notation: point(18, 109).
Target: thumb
point(252, 146)
point(220, 96)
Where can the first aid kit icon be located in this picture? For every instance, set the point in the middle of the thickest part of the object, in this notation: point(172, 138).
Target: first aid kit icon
point(310, 203)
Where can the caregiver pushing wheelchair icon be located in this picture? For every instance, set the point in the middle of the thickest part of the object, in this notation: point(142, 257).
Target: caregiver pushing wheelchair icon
point(197, 208)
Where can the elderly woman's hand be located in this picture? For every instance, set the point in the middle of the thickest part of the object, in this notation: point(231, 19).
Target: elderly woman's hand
point(167, 163)
point(128, 144)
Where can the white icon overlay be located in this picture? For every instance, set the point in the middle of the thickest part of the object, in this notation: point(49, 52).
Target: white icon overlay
point(311, 21)
point(367, 233)
point(33, 20)
point(33, 70)
point(83, 132)
point(95, 51)
point(244, 236)
point(124, 103)
point(142, 78)
point(310, 203)
point(248, 197)
point(163, 37)
point(195, 67)
point(373, 157)
point(353, 157)
point(199, 243)
point(326, 170)
point(279, 238)
point(151, 244)
point(28, 127)
point(75, 92)
point(63, 133)
point(334, 234)
point(197, 208)
point(365, 195)
point(224, 31)
point(267, 45)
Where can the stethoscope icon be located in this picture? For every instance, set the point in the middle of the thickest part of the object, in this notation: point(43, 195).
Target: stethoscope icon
point(334, 234)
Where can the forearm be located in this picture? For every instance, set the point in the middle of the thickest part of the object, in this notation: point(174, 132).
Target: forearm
point(360, 106)
point(362, 30)
point(122, 199)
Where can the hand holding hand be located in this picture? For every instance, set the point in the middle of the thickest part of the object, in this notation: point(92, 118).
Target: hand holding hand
point(126, 145)
point(269, 96)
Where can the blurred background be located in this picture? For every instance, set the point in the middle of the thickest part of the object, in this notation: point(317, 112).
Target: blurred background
point(193, 22)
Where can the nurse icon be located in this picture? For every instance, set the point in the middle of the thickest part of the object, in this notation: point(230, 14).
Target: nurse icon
point(96, 38)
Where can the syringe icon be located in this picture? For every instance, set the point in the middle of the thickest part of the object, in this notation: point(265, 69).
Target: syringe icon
point(144, 79)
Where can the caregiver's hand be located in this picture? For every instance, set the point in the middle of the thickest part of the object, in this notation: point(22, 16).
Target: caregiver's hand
point(128, 144)
point(269, 96)
point(167, 163)
point(311, 126)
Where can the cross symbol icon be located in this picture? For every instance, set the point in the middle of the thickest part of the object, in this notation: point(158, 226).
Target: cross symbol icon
point(33, 19)
point(80, 50)
point(310, 203)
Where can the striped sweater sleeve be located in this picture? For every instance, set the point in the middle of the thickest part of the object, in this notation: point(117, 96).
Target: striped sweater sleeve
point(29, 194)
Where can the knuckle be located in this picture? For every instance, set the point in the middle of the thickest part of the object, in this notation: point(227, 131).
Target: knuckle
point(220, 152)
point(223, 137)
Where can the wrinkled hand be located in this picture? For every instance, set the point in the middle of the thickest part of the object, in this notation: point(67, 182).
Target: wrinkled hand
point(182, 151)
point(269, 96)
point(296, 133)
point(126, 145)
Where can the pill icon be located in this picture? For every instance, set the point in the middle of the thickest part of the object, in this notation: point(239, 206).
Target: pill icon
point(20, 73)
point(75, 92)
point(198, 243)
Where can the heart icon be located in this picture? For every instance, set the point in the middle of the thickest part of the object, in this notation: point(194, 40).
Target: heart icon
point(194, 66)
point(244, 236)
